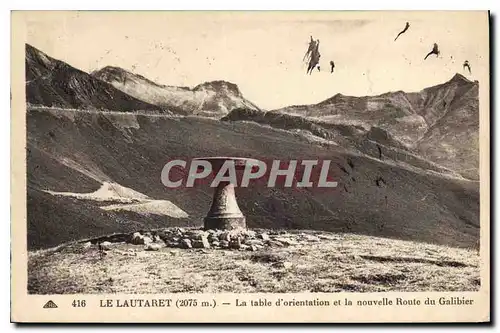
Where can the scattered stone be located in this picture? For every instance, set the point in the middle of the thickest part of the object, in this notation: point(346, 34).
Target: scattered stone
point(254, 242)
point(139, 239)
point(283, 265)
point(327, 237)
point(225, 236)
point(186, 242)
point(275, 243)
point(205, 242)
point(244, 247)
point(164, 236)
point(174, 253)
point(285, 241)
point(157, 239)
point(249, 233)
point(264, 236)
point(235, 243)
point(86, 245)
point(224, 244)
point(213, 238)
point(129, 252)
point(215, 244)
point(152, 247)
point(136, 238)
point(173, 244)
point(311, 238)
point(201, 244)
point(253, 248)
point(196, 234)
point(106, 245)
point(179, 230)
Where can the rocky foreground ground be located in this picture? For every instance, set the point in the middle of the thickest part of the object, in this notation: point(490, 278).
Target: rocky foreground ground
point(194, 260)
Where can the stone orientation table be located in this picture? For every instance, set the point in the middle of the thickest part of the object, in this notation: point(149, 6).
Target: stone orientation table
point(225, 212)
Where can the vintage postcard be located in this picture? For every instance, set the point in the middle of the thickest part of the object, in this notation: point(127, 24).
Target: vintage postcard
point(191, 166)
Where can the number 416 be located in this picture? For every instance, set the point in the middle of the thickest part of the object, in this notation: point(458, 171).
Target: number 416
point(77, 303)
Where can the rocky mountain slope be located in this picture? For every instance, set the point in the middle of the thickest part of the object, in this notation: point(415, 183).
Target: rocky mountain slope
point(440, 123)
point(91, 173)
point(214, 98)
point(51, 82)
point(70, 154)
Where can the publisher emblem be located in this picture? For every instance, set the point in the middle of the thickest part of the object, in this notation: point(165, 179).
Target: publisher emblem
point(50, 305)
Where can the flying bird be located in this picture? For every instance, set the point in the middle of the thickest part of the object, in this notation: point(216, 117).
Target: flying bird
point(319, 68)
point(310, 49)
point(315, 55)
point(332, 66)
point(466, 64)
point(435, 50)
point(404, 30)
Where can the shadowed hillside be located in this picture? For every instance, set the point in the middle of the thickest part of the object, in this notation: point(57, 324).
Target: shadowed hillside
point(373, 141)
point(73, 153)
point(440, 123)
point(214, 98)
point(51, 82)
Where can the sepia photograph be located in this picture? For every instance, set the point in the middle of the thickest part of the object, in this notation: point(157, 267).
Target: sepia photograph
point(254, 152)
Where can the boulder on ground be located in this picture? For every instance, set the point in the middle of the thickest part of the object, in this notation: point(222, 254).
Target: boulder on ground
point(152, 247)
point(253, 242)
point(201, 244)
point(283, 265)
point(105, 245)
point(186, 243)
point(264, 236)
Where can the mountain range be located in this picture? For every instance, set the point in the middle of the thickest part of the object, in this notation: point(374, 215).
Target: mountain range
point(94, 172)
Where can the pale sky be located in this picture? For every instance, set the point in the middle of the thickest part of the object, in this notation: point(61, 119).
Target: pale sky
point(262, 52)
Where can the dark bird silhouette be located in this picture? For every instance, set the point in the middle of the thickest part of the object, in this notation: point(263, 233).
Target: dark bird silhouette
point(319, 68)
point(315, 55)
point(404, 30)
point(435, 50)
point(310, 49)
point(345, 189)
point(466, 65)
point(332, 66)
point(379, 152)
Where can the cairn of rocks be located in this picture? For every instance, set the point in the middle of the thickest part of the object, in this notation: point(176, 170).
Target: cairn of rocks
point(193, 238)
point(198, 238)
point(216, 239)
point(240, 239)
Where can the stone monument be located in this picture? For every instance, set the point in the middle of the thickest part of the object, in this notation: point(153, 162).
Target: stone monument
point(225, 212)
